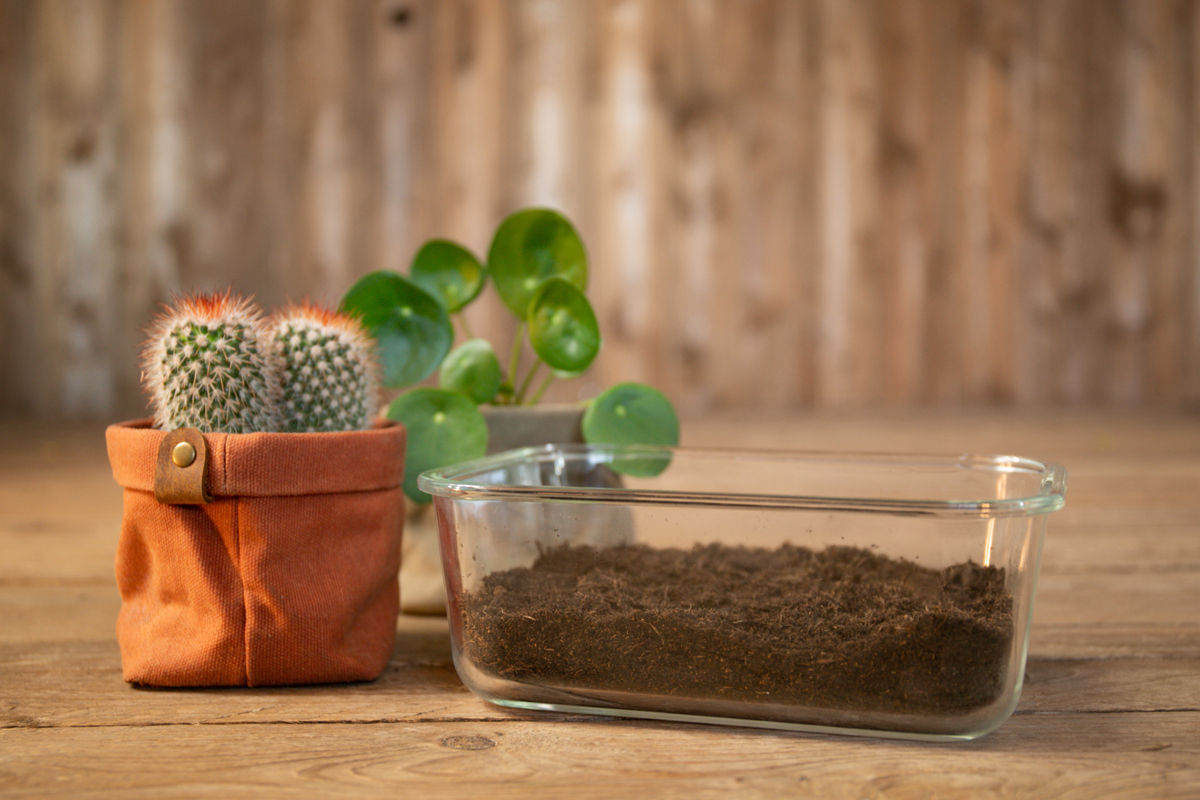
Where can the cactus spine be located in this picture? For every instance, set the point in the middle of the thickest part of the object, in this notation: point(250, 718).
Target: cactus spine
point(326, 368)
point(213, 363)
point(207, 366)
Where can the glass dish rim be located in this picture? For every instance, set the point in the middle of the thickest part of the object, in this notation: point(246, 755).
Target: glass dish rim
point(454, 481)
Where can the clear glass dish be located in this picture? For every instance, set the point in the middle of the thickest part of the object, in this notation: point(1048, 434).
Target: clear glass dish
point(885, 595)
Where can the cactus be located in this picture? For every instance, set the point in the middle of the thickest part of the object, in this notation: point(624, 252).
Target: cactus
point(207, 365)
point(327, 370)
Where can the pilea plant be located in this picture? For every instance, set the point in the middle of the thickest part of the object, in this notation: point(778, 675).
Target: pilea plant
point(213, 362)
point(538, 266)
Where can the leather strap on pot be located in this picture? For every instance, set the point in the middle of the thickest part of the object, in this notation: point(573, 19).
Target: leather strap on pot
point(181, 473)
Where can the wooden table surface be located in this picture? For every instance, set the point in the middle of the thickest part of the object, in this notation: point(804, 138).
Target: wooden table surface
point(1111, 705)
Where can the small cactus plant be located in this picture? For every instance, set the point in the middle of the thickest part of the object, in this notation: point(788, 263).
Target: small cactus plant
point(328, 373)
point(207, 366)
point(215, 364)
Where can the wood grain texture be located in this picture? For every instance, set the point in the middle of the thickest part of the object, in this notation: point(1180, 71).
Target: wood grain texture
point(1110, 706)
point(1134, 755)
point(873, 203)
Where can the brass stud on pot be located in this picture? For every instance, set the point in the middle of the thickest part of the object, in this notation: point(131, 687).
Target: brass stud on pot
point(183, 454)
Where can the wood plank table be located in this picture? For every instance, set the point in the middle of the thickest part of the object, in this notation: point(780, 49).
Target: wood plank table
point(1111, 706)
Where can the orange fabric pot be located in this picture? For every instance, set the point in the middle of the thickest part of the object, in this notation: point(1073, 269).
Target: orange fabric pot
point(289, 574)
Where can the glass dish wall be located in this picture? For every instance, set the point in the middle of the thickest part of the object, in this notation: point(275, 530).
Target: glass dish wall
point(884, 595)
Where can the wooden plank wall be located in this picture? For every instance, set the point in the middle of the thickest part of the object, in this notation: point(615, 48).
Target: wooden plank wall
point(789, 204)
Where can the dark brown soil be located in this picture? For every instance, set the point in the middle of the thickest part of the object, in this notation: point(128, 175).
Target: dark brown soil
point(841, 628)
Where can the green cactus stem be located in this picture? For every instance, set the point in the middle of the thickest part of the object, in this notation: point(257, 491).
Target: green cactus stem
point(329, 374)
point(206, 366)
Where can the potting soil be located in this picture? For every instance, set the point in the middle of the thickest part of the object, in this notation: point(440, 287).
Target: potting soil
point(840, 628)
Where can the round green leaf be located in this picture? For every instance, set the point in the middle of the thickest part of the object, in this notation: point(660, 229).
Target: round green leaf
point(449, 272)
point(529, 247)
point(444, 427)
point(562, 326)
point(472, 369)
point(410, 326)
point(633, 413)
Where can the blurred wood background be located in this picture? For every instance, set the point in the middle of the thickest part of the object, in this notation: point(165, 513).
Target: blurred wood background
point(788, 204)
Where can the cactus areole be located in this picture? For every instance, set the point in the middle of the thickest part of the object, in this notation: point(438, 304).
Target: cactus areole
point(328, 374)
point(206, 367)
point(214, 363)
